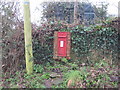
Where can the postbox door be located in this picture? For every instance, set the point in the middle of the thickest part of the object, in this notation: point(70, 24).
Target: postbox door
point(62, 46)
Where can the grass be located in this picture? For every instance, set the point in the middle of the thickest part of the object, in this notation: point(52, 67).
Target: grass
point(74, 76)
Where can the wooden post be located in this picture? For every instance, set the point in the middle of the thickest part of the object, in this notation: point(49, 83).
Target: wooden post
point(75, 12)
point(28, 38)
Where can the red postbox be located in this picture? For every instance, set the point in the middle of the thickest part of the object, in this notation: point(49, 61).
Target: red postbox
point(61, 45)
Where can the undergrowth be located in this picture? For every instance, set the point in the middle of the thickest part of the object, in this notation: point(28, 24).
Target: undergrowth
point(99, 75)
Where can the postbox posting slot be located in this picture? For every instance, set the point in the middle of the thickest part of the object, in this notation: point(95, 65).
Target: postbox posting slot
point(62, 36)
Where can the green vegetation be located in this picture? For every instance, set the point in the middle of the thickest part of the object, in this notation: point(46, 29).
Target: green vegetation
point(86, 69)
point(94, 54)
point(92, 64)
point(100, 75)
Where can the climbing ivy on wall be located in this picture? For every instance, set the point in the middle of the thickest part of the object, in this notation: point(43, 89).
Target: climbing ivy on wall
point(104, 39)
point(83, 40)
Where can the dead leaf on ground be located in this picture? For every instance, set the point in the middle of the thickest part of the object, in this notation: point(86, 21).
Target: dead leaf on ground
point(69, 83)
